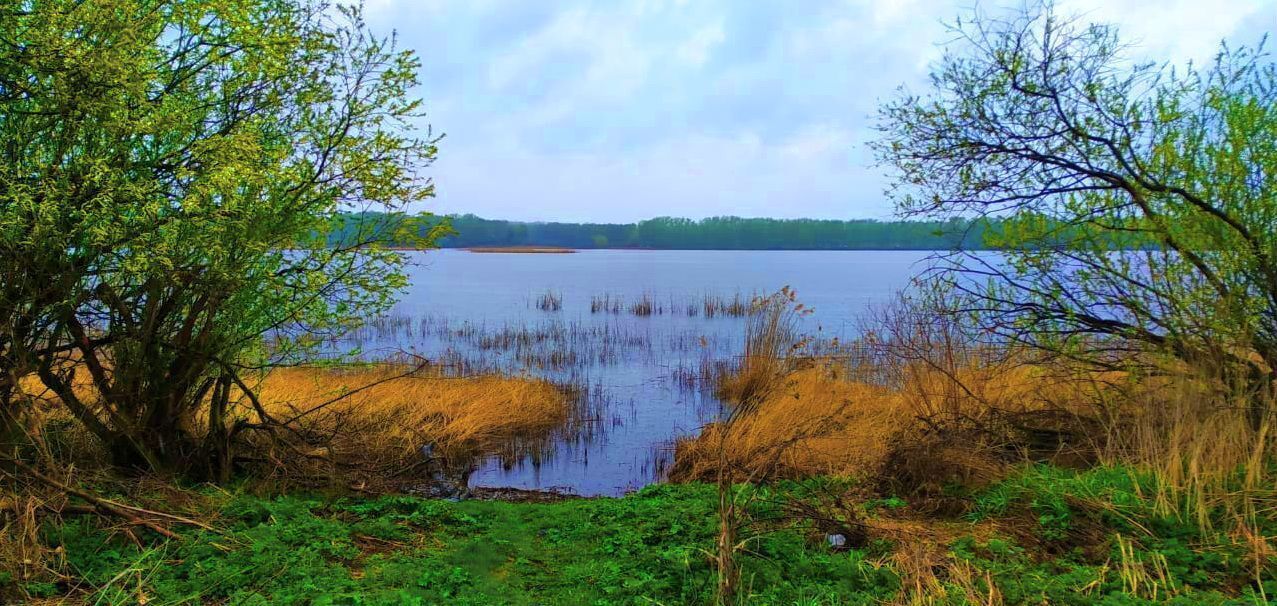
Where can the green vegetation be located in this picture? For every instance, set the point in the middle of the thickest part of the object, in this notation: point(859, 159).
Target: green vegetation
point(1045, 535)
point(404, 550)
point(1112, 537)
point(164, 168)
point(716, 233)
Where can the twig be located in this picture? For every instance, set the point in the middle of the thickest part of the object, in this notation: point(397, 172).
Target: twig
point(134, 515)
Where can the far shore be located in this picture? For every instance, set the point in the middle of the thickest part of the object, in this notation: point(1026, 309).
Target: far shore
point(564, 250)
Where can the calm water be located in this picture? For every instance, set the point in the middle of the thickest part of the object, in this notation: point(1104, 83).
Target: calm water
point(483, 307)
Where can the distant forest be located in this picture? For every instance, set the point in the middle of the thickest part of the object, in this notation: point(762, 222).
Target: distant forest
point(716, 233)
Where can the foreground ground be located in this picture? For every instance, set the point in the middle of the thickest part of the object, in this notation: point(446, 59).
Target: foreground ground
point(1043, 536)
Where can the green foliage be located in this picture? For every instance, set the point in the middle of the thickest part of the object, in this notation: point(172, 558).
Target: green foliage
point(1045, 123)
point(168, 171)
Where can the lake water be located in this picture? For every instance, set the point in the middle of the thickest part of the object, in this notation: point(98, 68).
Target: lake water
point(484, 309)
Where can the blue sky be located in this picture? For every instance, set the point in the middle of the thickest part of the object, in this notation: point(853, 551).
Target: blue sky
point(629, 109)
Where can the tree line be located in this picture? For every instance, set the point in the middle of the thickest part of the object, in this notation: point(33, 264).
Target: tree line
point(738, 233)
point(714, 233)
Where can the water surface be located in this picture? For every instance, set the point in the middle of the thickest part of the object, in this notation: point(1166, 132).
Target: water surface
point(484, 307)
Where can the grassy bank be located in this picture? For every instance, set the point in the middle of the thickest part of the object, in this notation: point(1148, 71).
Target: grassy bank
point(1012, 480)
point(1043, 535)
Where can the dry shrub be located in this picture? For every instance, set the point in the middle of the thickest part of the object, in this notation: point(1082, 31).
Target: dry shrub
point(375, 420)
point(22, 553)
point(969, 426)
point(919, 402)
point(932, 428)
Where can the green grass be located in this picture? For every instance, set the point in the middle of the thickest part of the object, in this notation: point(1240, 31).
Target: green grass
point(1078, 517)
point(647, 548)
point(1053, 543)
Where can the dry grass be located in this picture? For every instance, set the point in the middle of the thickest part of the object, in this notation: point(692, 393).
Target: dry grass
point(809, 422)
point(932, 426)
point(1194, 435)
point(375, 418)
point(927, 407)
point(361, 441)
point(819, 420)
point(353, 423)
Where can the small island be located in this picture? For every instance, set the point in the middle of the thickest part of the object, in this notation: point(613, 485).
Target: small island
point(522, 249)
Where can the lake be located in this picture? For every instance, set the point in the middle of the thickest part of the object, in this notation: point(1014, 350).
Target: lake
point(571, 318)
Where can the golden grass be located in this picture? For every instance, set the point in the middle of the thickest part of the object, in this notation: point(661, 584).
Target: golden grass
point(376, 416)
point(810, 422)
point(372, 418)
point(968, 421)
point(818, 420)
point(1195, 437)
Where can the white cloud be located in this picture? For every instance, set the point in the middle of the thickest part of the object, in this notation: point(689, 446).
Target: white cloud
point(691, 175)
point(1178, 30)
point(695, 51)
point(634, 108)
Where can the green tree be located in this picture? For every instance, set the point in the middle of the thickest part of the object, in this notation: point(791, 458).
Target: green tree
point(173, 171)
point(1046, 122)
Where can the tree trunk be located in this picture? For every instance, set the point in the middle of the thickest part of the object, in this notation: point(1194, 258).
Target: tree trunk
point(217, 443)
point(10, 422)
point(1261, 398)
point(162, 446)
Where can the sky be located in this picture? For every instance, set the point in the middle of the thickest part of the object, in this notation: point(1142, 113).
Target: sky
point(621, 110)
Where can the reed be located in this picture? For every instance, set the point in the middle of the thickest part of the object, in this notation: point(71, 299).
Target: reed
point(646, 306)
point(771, 344)
point(714, 305)
point(550, 301)
point(377, 418)
point(606, 303)
point(358, 423)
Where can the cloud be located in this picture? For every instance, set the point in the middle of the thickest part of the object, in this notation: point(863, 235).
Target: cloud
point(1180, 30)
point(634, 108)
point(696, 49)
point(692, 175)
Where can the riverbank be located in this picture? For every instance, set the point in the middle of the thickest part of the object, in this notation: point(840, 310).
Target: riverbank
point(909, 523)
point(1044, 535)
